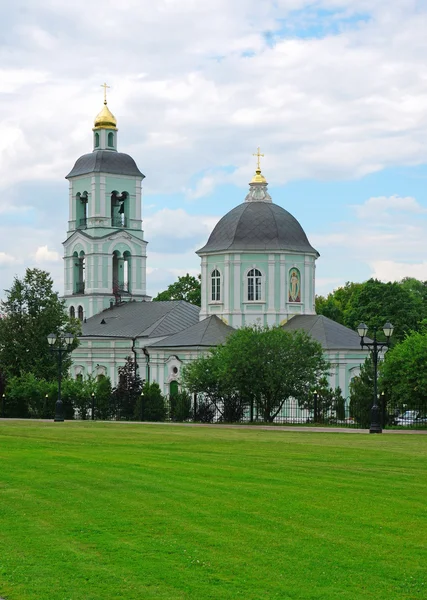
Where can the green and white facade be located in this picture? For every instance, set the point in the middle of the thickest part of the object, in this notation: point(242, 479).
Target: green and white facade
point(257, 267)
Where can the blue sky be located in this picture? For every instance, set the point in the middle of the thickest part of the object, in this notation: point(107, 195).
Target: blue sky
point(334, 92)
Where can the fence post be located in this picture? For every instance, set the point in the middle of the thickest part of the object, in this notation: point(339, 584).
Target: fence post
point(315, 406)
point(252, 410)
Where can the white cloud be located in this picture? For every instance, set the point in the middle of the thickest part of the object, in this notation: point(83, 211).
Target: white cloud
point(44, 255)
point(389, 270)
point(382, 205)
point(196, 87)
point(7, 259)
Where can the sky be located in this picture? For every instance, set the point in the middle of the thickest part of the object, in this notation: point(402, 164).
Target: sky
point(333, 91)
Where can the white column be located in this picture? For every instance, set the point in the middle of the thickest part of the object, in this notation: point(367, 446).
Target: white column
point(282, 279)
point(226, 290)
point(307, 284)
point(271, 283)
point(102, 199)
point(92, 199)
point(138, 199)
point(205, 291)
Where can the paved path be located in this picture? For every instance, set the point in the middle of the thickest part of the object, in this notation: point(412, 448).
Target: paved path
point(283, 428)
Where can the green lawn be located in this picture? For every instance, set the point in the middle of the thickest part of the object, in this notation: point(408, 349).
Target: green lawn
point(92, 511)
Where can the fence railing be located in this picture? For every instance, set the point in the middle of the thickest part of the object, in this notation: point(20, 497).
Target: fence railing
point(200, 410)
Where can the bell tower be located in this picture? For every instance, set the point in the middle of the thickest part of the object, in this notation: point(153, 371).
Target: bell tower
point(105, 251)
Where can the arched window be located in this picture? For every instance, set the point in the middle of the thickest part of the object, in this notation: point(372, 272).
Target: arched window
point(72, 312)
point(215, 285)
point(254, 284)
point(111, 140)
point(80, 313)
point(96, 139)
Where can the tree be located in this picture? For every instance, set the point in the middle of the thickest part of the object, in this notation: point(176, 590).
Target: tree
point(362, 394)
point(373, 302)
point(31, 311)
point(210, 375)
point(150, 405)
point(180, 406)
point(258, 368)
point(329, 406)
point(128, 391)
point(187, 288)
point(404, 374)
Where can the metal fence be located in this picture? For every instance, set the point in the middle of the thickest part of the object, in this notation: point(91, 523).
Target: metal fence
point(197, 409)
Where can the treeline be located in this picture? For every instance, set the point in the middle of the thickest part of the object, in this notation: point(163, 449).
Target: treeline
point(373, 302)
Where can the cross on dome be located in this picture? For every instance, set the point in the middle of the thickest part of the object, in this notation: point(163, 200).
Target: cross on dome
point(105, 86)
point(258, 155)
point(258, 178)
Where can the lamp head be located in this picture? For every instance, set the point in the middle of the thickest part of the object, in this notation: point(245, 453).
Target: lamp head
point(68, 337)
point(51, 339)
point(362, 330)
point(388, 330)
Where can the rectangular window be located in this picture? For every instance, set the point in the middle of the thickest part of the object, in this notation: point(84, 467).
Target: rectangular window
point(251, 288)
point(258, 288)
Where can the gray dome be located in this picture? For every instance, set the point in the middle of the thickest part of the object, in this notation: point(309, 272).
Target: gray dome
point(258, 226)
point(105, 161)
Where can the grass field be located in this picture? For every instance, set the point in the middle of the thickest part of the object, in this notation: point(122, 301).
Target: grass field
point(92, 511)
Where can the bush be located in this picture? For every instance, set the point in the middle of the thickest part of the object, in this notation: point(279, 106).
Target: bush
point(180, 406)
point(205, 412)
point(150, 405)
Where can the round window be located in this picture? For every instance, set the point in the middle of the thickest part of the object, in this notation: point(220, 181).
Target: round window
point(175, 370)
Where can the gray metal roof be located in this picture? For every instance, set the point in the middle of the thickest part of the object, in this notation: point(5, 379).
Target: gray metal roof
point(105, 161)
point(258, 226)
point(209, 332)
point(330, 334)
point(142, 319)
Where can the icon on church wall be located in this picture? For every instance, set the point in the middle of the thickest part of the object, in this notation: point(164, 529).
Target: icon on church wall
point(294, 286)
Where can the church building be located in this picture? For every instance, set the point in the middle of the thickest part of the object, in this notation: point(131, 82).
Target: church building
point(257, 267)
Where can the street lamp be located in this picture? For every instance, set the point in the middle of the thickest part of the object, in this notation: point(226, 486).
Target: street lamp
point(315, 406)
point(93, 406)
point(59, 345)
point(375, 348)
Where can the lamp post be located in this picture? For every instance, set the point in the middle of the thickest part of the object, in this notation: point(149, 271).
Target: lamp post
point(315, 406)
point(141, 415)
point(59, 346)
point(375, 348)
point(93, 406)
point(3, 405)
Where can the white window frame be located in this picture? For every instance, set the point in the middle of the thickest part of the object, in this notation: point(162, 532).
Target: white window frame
point(258, 286)
point(218, 285)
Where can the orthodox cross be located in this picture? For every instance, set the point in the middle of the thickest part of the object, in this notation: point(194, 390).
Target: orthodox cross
point(258, 155)
point(105, 86)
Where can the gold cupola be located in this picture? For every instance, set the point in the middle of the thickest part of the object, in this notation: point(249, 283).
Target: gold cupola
point(258, 177)
point(105, 118)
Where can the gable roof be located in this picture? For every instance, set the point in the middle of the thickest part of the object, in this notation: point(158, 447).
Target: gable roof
point(142, 319)
point(209, 332)
point(330, 334)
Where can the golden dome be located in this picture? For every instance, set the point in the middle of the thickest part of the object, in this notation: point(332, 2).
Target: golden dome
point(258, 177)
point(105, 119)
